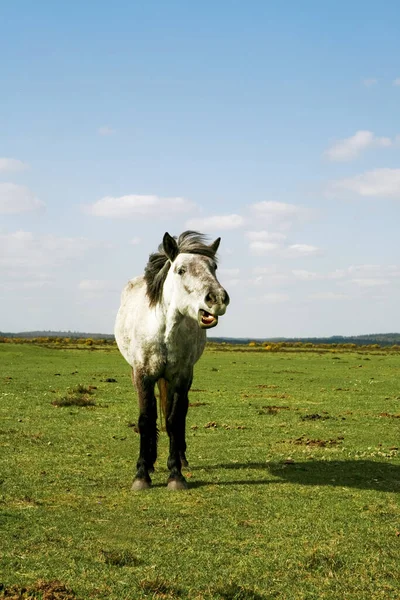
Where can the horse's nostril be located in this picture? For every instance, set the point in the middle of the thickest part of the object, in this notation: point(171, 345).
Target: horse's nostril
point(221, 297)
point(210, 299)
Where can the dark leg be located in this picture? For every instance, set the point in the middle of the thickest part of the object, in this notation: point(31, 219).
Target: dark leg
point(147, 429)
point(177, 407)
point(185, 406)
point(182, 436)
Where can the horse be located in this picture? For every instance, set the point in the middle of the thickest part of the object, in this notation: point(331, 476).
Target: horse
point(160, 330)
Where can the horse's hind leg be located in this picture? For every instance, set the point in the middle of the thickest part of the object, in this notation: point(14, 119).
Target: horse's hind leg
point(163, 389)
point(148, 431)
point(182, 435)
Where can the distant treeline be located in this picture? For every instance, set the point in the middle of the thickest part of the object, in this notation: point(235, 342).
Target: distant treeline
point(383, 339)
point(58, 334)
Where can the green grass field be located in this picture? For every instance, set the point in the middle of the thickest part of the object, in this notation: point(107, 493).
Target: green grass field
point(293, 481)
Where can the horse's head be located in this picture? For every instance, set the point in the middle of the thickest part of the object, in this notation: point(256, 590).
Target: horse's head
point(191, 284)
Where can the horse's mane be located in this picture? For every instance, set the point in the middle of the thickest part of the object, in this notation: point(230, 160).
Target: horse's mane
point(156, 271)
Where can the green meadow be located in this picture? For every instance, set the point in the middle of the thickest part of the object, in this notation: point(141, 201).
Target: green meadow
point(294, 479)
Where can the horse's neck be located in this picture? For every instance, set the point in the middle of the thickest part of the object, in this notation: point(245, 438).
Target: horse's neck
point(182, 336)
point(171, 323)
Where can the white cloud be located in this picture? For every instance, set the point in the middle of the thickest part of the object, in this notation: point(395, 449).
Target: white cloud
point(304, 275)
point(271, 280)
point(275, 209)
point(274, 298)
point(378, 182)
point(374, 271)
point(24, 251)
point(265, 236)
point(264, 270)
point(370, 282)
point(12, 165)
point(280, 215)
point(350, 148)
point(261, 248)
point(396, 82)
point(216, 223)
point(392, 271)
point(327, 296)
point(95, 285)
point(302, 250)
point(369, 81)
point(232, 282)
point(15, 199)
point(135, 241)
point(125, 207)
point(228, 272)
point(257, 280)
point(12, 280)
point(353, 269)
point(337, 274)
point(106, 130)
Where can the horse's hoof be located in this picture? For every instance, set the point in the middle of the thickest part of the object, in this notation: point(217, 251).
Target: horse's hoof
point(177, 484)
point(140, 484)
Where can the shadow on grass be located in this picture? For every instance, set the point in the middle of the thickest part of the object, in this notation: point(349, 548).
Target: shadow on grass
point(360, 474)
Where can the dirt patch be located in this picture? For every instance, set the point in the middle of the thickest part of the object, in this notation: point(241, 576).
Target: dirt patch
point(272, 409)
point(74, 401)
point(43, 590)
point(8, 431)
point(385, 414)
point(134, 427)
point(159, 588)
point(214, 425)
point(77, 396)
point(120, 558)
point(314, 417)
point(262, 397)
point(198, 404)
point(289, 371)
point(303, 441)
point(196, 391)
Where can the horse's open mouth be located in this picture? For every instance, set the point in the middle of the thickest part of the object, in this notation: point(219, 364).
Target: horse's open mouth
point(206, 319)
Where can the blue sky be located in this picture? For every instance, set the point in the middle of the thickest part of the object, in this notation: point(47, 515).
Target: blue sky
point(272, 125)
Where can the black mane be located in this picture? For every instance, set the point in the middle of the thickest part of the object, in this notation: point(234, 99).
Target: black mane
point(156, 271)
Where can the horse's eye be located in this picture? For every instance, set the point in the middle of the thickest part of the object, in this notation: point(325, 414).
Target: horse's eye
point(181, 271)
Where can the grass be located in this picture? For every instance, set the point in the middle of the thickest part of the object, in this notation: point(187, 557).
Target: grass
point(293, 480)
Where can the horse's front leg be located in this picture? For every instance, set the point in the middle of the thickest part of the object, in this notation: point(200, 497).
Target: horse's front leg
point(147, 429)
point(177, 407)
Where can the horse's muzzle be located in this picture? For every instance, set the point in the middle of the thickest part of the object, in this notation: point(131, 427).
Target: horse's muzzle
point(206, 320)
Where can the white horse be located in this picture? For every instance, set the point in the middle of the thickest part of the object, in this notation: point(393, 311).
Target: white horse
point(161, 332)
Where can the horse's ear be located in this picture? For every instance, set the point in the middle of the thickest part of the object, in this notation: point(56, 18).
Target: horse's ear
point(215, 245)
point(170, 246)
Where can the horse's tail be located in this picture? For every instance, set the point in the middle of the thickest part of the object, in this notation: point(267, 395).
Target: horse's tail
point(162, 388)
